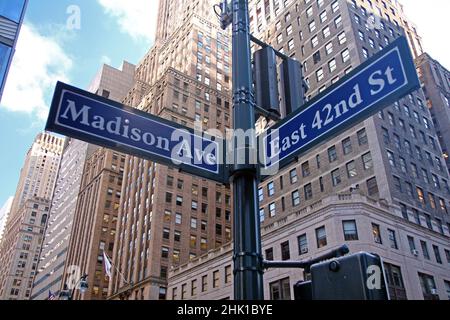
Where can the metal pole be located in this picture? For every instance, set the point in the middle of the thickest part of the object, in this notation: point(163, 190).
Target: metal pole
point(248, 260)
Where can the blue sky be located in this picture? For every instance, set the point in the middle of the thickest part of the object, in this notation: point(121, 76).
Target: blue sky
point(110, 31)
point(48, 50)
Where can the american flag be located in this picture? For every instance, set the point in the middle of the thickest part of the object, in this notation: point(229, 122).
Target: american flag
point(51, 296)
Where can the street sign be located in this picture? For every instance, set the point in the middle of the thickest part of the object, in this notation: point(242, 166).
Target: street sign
point(377, 83)
point(94, 119)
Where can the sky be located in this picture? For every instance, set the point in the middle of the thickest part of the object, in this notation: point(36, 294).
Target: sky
point(69, 40)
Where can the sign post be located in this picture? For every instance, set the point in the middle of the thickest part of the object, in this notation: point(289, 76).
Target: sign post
point(248, 259)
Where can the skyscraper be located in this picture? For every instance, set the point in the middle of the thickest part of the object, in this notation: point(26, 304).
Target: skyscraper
point(435, 79)
point(110, 83)
point(24, 230)
point(20, 249)
point(39, 173)
point(4, 213)
point(393, 159)
point(98, 201)
point(11, 18)
point(57, 235)
point(167, 217)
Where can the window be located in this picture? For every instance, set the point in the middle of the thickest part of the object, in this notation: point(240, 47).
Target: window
point(367, 161)
point(166, 233)
point(321, 237)
point(329, 50)
point(372, 187)
point(345, 55)
point(269, 254)
point(312, 26)
point(425, 251)
point(271, 189)
point(228, 274)
point(397, 184)
point(447, 255)
point(293, 176)
point(306, 169)
point(392, 239)
point(342, 38)
point(308, 192)
point(432, 200)
point(178, 218)
point(165, 252)
point(280, 290)
point(272, 210)
point(428, 287)
point(351, 170)
point(395, 282)
point(332, 154)
point(347, 146)
point(261, 194)
point(420, 195)
point(193, 241)
point(319, 75)
point(437, 254)
point(376, 233)
point(362, 137)
point(193, 223)
point(412, 245)
point(285, 251)
point(204, 283)
point(350, 230)
point(262, 215)
point(295, 198)
point(302, 244)
point(336, 177)
point(216, 279)
point(447, 283)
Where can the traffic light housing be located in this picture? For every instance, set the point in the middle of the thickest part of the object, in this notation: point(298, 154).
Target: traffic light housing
point(266, 80)
point(356, 277)
point(292, 85)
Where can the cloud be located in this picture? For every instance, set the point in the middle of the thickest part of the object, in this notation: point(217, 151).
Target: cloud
point(39, 62)
point(135, 17)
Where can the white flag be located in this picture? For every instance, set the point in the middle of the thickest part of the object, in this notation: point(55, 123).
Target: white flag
point(107, 264)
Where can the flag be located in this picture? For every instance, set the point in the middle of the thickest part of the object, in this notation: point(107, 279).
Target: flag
point(107, 264)
point(51, 296)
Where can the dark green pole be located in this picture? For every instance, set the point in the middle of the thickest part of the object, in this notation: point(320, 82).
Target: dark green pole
point(248, 260)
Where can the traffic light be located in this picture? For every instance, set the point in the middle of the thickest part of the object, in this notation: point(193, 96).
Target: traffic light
point(356, 277)
point(266, 80)
point(292, 85)
point(224, 12)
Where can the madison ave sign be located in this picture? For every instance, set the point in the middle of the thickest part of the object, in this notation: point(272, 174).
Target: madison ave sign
point(378, 82)
point(91, 118)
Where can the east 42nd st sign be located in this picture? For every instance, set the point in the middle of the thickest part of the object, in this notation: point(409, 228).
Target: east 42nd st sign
point(377, 83)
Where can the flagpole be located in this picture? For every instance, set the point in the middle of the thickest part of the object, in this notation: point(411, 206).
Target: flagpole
point(117, 269)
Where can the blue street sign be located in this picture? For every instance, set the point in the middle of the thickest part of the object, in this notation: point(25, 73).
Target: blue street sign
point(91, 118)
point(377, 83)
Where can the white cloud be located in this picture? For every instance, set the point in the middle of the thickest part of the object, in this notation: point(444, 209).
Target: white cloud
point(135, 17)
point(39, 62)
